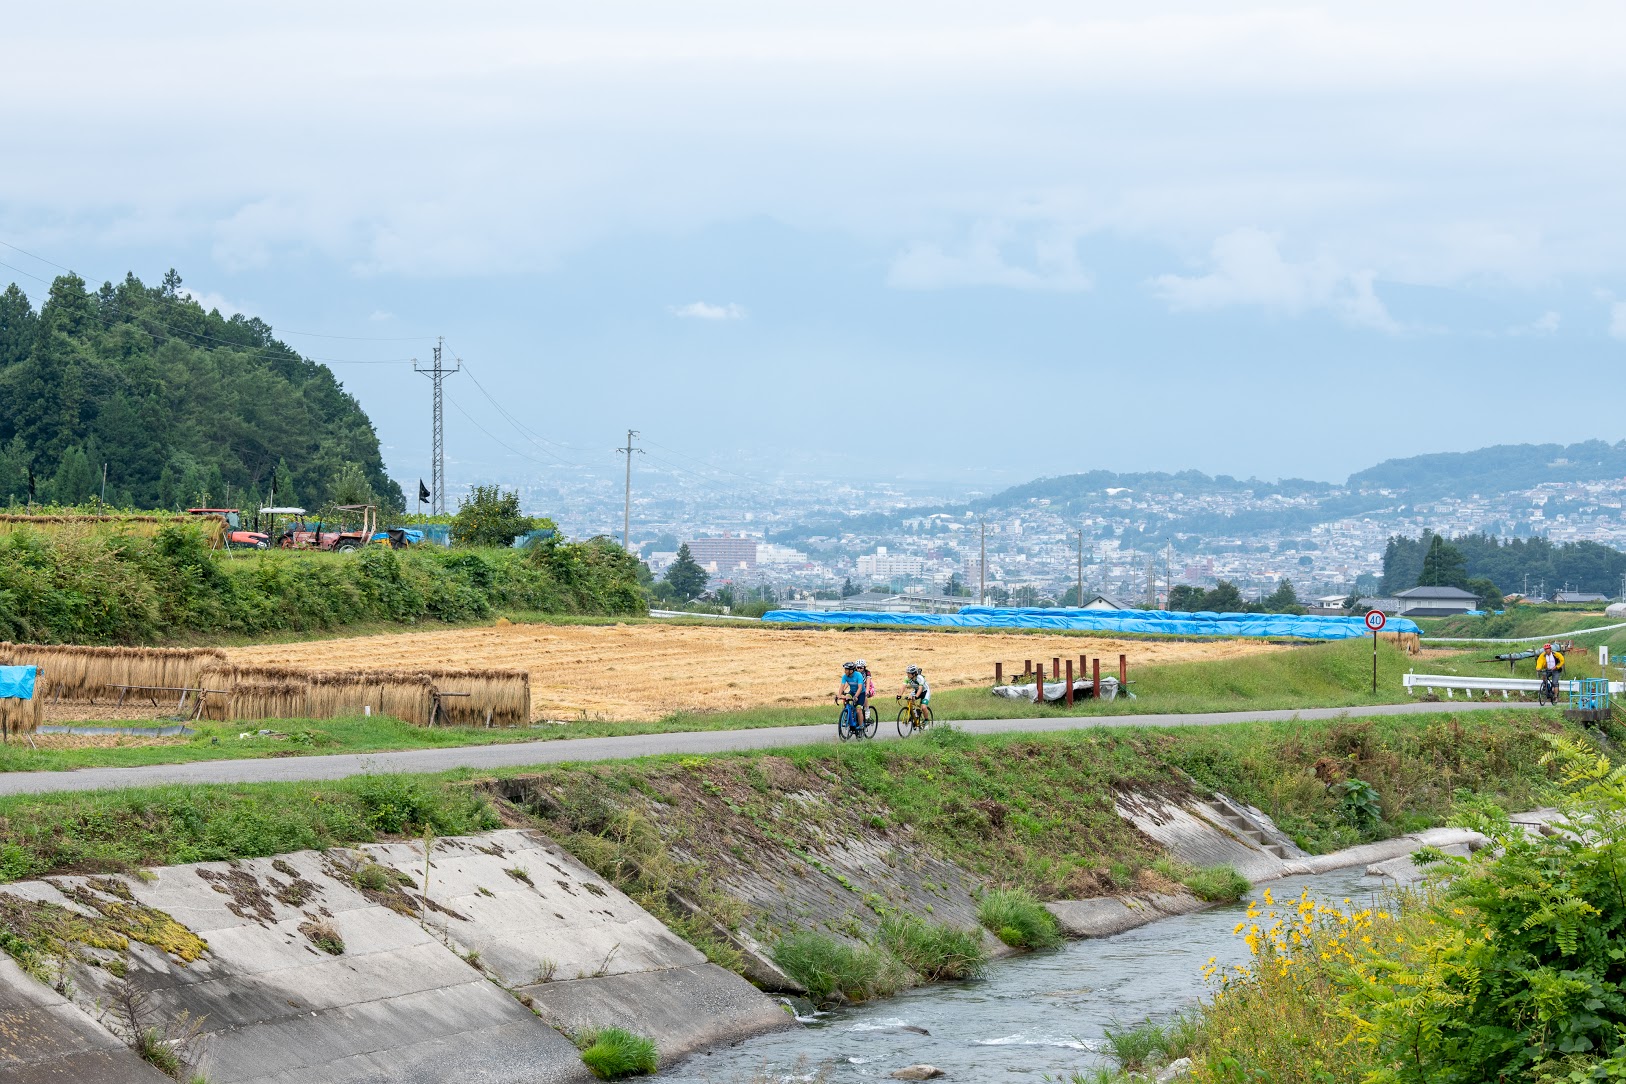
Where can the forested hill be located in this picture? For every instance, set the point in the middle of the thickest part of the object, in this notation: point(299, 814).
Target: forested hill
point(1497, 469)
point(1487, 471)
point(184, 406)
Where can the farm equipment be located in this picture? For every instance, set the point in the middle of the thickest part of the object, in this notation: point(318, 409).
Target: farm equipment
point(232, 532)
point(299, 535)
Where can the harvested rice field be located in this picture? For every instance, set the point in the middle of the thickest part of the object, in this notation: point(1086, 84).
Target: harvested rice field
point(645, 672)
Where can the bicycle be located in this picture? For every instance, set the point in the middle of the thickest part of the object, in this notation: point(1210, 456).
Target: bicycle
point(1548, 693)
point(849, 724)
point(912, 716)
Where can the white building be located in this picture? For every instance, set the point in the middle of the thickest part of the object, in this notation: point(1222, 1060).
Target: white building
point(770, 554)
point(884, 566)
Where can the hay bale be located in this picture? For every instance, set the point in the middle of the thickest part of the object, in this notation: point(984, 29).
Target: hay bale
point(505, 694)
point(20, 716)
point(78, 672)
point(266, 700)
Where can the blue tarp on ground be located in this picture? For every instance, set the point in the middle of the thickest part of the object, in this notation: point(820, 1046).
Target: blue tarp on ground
point(1158, 622)
point(17, 681)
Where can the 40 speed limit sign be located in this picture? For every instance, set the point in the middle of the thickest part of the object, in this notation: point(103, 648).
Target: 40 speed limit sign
point(1375, 620)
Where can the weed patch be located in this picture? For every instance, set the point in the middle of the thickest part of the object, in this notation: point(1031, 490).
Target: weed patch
point(934, 951)
point(1018, 919)
point(614, 1053)
point(828, 966)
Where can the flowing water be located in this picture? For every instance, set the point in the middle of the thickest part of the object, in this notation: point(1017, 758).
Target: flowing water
point(1033, 1018)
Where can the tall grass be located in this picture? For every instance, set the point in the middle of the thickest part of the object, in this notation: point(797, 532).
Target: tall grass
point(1018, 919)
point(614, 1053)
point(934, 951)
point(828, 966)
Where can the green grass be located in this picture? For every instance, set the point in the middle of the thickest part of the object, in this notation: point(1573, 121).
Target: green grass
point(1214, 884)
point(613, 1053)
point(1519, 621)
point(935, 951)
point(1018, 919)
point(827, 966)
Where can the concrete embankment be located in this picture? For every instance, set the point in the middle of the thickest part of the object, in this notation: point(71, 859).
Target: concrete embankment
point(321, 968)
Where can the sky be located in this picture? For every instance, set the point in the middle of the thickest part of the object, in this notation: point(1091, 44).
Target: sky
point(968, 242)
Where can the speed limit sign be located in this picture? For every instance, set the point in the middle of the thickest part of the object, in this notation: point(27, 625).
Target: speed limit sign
point(1375, 621)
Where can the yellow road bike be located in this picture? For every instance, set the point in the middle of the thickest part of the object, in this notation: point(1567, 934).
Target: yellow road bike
point(912, 716)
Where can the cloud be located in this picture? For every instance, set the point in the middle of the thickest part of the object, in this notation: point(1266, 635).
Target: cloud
point(700, 310)
point(1250, 270)
point(211, 301)
point(1545, 324)
point(991, 256)
point(1617, 320)
point(379, 316)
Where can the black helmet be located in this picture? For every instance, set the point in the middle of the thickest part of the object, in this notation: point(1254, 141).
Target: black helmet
point(849, 666)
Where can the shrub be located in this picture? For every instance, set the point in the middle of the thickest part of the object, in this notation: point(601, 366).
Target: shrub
point(613, 1053)
point(934, 951)
point(1149, 1043)
point(827, 966)
point(1018, 919)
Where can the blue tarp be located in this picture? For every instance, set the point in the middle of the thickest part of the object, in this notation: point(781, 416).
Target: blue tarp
point(17, 681)
point(1159, 622)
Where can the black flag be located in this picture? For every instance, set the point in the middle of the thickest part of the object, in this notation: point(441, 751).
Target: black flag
point(423, 492)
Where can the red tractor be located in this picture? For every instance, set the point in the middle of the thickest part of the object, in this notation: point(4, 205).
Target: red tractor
point(233, 533)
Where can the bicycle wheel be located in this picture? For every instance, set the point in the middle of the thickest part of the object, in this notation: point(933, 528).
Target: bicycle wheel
point(843, 731)
point(906, 725)
point(872, 722)
point(925, 716)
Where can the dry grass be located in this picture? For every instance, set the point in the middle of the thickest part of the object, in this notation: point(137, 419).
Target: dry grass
point(19, 716)
point(84, 673)
point(648, 671)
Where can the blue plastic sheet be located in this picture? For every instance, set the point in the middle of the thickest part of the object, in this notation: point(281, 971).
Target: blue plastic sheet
point(17, 681)
point(1156, 622)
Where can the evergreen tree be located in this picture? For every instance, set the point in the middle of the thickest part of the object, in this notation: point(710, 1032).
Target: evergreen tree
point(1224, 599)
point(17, 327)
point(686, 578)
point(490, 517)
point(75, 480)
point(1184, 598)
point(1443, 565)
point(1283, 600)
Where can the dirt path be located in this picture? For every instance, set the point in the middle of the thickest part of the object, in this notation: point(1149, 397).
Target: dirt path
point(647, 671)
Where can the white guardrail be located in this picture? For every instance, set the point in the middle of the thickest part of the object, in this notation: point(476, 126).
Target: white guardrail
point(1451, 682)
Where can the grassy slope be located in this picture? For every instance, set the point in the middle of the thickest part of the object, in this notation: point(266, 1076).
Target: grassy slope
point(1317, 675)
point(1028, 810)
point(1518, 622)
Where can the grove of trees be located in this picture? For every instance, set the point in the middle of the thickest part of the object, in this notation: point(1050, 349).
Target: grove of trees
point(183, 406)
point(1480, 561)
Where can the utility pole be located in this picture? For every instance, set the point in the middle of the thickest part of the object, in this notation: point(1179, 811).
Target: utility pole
point(1079, 602)
point(436, 374)
point(982, 575)
point(626, 512)
point(228, 496)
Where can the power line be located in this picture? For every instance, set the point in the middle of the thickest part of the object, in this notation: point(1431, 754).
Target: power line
point(626, 520)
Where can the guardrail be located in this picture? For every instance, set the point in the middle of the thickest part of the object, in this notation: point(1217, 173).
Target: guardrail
point(1452, 682)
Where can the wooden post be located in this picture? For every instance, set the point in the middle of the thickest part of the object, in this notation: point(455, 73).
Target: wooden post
point(1083, 666)
point(1055, 665)
point(1123, 671)
point(1068, 695)
point(1038, 690)
point(999, 673)
point(1096, 664)
point(1027, 667)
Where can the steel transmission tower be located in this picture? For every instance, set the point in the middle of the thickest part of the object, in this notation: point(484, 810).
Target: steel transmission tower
point(436, 374)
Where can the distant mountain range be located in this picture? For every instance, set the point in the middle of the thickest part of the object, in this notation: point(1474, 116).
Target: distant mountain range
point(1498, 469)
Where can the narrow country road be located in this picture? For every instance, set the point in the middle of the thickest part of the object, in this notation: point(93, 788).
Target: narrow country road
point(520, 754)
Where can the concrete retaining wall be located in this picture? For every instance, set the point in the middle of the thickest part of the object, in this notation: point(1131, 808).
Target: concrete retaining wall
point(428, 987)
point(46, 1038)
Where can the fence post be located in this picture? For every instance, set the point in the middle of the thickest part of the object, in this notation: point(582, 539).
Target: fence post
point(1038, 689)
point(1123, 672)
point(1068, 695)
point(1096, 665)
point(1055, 665)
point(999, 673)
point(1027, 667)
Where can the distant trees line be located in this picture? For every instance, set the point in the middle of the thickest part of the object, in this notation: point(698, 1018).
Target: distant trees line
point(1485, 564)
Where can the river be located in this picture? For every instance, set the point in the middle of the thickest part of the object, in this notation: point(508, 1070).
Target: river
point(1033, 1018)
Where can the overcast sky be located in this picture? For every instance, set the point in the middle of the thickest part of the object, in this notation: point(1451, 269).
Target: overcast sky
point(974, 241)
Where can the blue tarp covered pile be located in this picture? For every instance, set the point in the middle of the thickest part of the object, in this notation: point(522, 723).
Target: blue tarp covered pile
point(17, 682)
point(1157, 622)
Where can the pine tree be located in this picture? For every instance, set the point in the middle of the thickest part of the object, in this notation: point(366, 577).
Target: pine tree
point(1443, 565)
point(686, 578)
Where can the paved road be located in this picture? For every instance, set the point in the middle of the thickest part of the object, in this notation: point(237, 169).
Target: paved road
point(520, 754)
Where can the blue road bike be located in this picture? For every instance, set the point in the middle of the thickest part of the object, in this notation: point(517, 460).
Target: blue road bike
point(851, 725)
